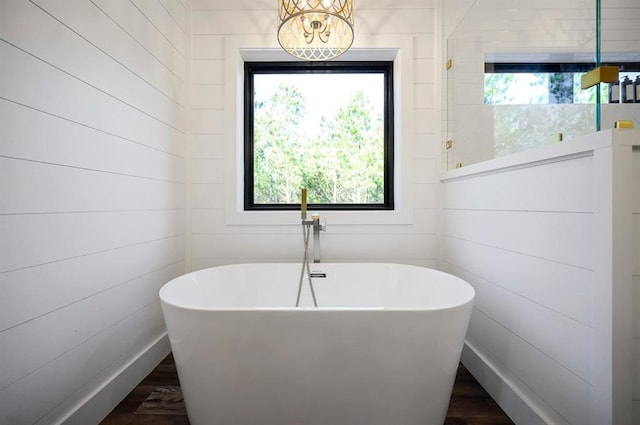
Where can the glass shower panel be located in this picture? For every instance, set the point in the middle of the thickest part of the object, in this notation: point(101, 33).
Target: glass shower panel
point(514, 79)
point(620, 45)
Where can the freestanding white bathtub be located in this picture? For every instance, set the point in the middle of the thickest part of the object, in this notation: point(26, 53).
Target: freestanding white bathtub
point(382, 348)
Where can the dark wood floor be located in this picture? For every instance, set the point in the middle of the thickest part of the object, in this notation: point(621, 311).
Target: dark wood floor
point(470, 403)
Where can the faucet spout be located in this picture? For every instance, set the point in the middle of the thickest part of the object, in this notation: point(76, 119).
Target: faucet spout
point(317, 228)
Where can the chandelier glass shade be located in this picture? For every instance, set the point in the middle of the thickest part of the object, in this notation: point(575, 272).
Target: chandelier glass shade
point(315, 30)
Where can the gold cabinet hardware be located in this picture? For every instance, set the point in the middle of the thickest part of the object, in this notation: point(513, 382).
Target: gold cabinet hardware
point(449, 144)
point(458, 164)
point(449, 64)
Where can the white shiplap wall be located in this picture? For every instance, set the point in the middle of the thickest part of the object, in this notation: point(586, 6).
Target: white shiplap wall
point(539, 236)
point(217, 241)
point(636, 285)
point(92, 139)
point(502, 233)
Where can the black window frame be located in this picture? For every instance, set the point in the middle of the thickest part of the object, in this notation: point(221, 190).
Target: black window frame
point(325, 67)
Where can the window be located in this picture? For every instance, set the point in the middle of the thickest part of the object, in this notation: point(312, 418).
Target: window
point(552, 83)
point(324, 126)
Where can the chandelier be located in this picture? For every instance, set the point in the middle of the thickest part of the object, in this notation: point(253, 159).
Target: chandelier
point(315, 30)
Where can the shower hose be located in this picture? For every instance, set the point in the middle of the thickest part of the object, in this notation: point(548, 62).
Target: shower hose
point(306, 231)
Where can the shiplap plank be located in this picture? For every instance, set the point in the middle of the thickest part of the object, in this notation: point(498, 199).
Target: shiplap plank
point(379, 247)
point(207, 146)
point(265, 5)
point(281, 247)
point(509, 39)
point(538, 18)
point(636, 180)
point(207, 71)
point(424, 96)
point(620, 18)
point(636, 369)
point(425, 121)
point(228, 22)
point(565, 238)
point(368, 21)
point(424, 46)
point(206, 46)
point(76, 101)
point(636, 244)
point(34, 239)
point(269, 4)
point(395, 21)
point(207, 96)
point(208, 196)
point(58, 332)
point(209, 171)
point(559, 337)
point(288, 247)
point(425, 171)
point(46, 188)
point(211, 220)
point(559, 287)
point(58, 284)
point(205, 263)
point(527, 189)
point(636, 310)
point(207, 121)
point(426, 146)
point(425, 196)
point(424, 71)
point(564, 391)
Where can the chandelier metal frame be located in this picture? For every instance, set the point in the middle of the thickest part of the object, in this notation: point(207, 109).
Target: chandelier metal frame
point(315, 30)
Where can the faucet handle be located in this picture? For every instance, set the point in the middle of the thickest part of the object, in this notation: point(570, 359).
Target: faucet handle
point(303, 203)
point(316, 222)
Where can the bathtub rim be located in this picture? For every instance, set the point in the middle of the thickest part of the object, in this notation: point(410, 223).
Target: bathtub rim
point(466, 300)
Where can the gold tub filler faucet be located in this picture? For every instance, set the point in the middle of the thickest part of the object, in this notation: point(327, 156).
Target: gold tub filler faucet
point(307, 225)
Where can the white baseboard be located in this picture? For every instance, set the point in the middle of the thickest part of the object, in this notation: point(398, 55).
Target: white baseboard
point(95, 406)
point(517, 403)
